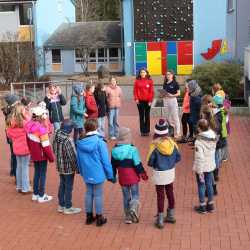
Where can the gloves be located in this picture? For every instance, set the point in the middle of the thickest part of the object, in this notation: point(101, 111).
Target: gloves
point(144, 176)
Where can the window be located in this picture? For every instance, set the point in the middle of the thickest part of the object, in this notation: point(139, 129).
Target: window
point(102, 55)
point(25, 14)
point(56, 56)
point(92, 56)
point(230, 5)
point(7, 7)
point(113, 54)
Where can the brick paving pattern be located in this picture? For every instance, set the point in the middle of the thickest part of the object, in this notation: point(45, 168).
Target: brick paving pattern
point(28, 225)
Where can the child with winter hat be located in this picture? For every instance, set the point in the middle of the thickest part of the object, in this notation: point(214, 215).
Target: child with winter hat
point(77, 110)
point(204, 165)
point(162, 157)
point(54, 102)
point(46, 121)
point(126, 159)
point(95, 167)
point(17, 134)
point(66, 163)
point(41, 152)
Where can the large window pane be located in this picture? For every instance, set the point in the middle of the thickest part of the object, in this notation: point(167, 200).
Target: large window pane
point(102, 55)
point(25, 14)
point(113, 52)
point(7, 7)
point(56, 56)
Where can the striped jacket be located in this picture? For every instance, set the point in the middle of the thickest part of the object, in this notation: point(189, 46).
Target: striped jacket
point(38, 142)
point(64, 150)
point(125, 158)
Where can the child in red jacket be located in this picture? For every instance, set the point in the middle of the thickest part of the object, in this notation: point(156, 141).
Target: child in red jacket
point(41, 153)
point(90, 103)
point(16, 133)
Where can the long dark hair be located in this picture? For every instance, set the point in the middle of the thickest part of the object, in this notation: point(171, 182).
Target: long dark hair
point(98, 90)
point(171, 72)
point(138, 77)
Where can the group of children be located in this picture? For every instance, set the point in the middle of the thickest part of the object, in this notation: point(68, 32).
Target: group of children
point(28, 131)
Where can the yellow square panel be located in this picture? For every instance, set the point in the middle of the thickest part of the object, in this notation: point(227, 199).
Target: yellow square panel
point(154, 62)
point(184, 69)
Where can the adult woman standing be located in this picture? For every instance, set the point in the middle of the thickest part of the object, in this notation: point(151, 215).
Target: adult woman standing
point(143, 95)
point(172, 91)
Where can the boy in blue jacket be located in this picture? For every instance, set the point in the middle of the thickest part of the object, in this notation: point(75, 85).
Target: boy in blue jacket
point(95, 167)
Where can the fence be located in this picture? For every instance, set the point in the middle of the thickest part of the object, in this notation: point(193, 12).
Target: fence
point(36, 91)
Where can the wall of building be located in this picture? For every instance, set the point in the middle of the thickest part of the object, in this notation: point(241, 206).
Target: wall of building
point(243, 28)
point(209, 25)
point(68, 61)
point(48, 16)
point(128, 26)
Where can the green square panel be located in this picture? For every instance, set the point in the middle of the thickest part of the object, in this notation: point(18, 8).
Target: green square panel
point(172, 63)
point(141, 52)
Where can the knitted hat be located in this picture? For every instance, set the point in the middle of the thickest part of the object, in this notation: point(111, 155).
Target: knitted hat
point(124, 136)
point(38, 111)
point(78, 89)
point(67, 126)
point(42, 104)
point(11, 100)
point(161, 128)
point(218, 100)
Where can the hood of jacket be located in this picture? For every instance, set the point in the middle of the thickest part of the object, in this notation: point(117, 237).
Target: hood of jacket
point(89, 143)
point(61, 136)
point(207, 138)
point(122, 151)
point(164, 146)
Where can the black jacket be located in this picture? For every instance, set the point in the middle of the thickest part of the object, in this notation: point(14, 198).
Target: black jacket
point(55, 108)
point(101, 102)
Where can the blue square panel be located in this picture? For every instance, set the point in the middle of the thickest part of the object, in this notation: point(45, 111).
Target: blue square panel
point(171, 50)
point(140, 65)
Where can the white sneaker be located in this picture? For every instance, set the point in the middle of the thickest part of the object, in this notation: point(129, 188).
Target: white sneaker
point(113, 138)
point(72, 210)
point(60, 209)
point(45, 198)
point(34, 197)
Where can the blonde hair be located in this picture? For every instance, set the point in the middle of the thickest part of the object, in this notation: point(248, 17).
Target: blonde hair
point(16, 116)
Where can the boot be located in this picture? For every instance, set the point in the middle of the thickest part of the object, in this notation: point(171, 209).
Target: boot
point(128, 219)
point(100, 220)
point(90, 218)
point(159, 222)
point(210, 207)
point(170, 216)
point(134, 210)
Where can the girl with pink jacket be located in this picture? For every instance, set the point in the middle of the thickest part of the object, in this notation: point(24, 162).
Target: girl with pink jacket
point(17, 134)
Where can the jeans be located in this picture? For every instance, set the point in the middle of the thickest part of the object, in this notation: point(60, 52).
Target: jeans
point(130, 193)
point(40, 177)
point(169, 189)
point(94, 194)
point(101, 125)
point(203, 186)
point(77, 132)
point(22, 173)
point(57, 125)
point(218, 157)
point(113, 122)
point(186, 124)
point(144, 115)
point(171, 107)
point(65, 190)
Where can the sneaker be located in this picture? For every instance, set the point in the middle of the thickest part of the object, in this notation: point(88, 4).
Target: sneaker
point(34, 197)
point(72, 210)
point(45, 198)
point(60, 209)
point(128, 219)
point(200, 209)
point(112, 138)
point(210, 208)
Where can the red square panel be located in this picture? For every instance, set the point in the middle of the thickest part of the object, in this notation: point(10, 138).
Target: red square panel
point(154, 46)
point(185, 52)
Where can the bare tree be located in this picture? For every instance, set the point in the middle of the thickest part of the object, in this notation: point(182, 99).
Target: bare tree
point(87, 10)
point(18, 60)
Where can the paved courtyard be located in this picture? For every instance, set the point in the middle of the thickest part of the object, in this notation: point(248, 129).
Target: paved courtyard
point(28, 225)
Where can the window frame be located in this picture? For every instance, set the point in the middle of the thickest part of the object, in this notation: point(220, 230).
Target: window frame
point(5, 5)
point(24, 16)
point(230, 6)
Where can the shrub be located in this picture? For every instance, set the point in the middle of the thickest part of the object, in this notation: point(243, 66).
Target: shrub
point(228, 74)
